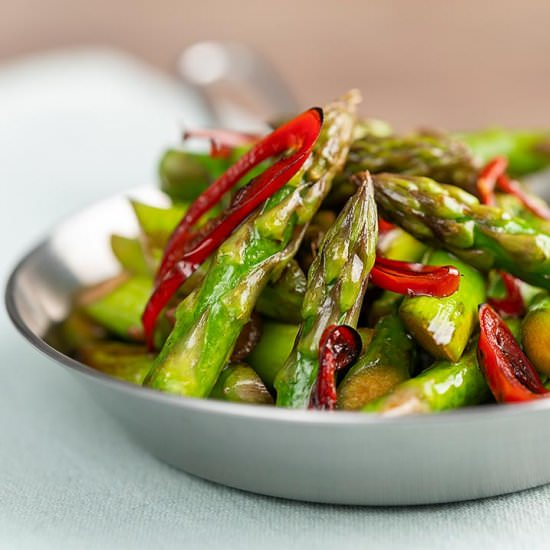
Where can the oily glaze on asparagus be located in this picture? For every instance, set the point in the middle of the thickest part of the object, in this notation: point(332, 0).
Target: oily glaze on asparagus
point(445, 385)
point(535, 333)
point(337, 282)
point(209, 321)
point(433, 155)
point(387, 361)
point(484, 236)
point(443, 326)
point(217, 279)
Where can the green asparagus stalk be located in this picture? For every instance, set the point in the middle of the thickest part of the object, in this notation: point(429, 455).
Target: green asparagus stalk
point(281, 299)
point(128, 362)
point(156, 225)
point(535, 333)
point(185, 175)
point(443, 326)
point(395, 244)
point(129, 253)
point(436, 156)
point(483, 236)
point(527, 150)
point(270, 353)
point(275, 345)
point(374, 127)
point(75, 331)
point(513, 206)
point(239, 383)
point(210, 319)
point(118, 309)
point(337, 282)
point(313, 237)
point(514, 324)
point(443, 386)
point(387, 361)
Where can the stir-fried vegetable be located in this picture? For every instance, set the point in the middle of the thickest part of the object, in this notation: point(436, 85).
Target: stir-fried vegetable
point(295, 288)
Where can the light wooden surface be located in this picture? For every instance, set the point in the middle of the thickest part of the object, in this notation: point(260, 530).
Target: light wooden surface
point(442, 63)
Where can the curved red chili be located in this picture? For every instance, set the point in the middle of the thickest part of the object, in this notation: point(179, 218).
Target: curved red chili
point(513, 188)
point(300, 133)
point(185, 251)
point(339, 347)
point(508, 372)
point(512, 304)
point(414, 279)
point(384, 226)
point(488, 177)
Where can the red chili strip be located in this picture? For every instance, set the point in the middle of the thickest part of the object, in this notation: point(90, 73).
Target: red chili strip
point(300, 134)
point(185, 252)
point(222, 141)
point(414, 279)
point(512, 304)
point(514, 188)
point(339, 347)
point(384, 226)
point(509, 374)
point(488, 177)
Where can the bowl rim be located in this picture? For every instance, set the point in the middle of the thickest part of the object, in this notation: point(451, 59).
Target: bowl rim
point(212, 406)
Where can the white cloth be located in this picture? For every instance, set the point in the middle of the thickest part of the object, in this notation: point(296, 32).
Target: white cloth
point(73, 128)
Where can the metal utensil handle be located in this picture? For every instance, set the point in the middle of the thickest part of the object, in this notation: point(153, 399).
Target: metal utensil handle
point(241, 87)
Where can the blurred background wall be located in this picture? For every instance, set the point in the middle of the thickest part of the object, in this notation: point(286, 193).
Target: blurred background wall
point(443, 63)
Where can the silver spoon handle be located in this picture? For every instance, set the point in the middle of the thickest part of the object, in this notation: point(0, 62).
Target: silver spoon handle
point(240, 86)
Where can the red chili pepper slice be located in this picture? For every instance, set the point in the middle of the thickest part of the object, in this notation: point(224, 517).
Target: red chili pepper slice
point(222, 141)
point(185, 252)
point(512, 304)
point(514, 188)
point(339, 347)
point(414, 279)
point(508, 372)
point(300, 133)
point(384, 226)
point(488, 177)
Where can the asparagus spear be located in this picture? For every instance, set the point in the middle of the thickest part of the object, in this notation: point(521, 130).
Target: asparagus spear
point(395, 245)
point(128, 362)
point(313, 238)
point(337, 282)
point(240, 384)
point(447, 216)
point(527, 150)
point(210, 319)
point(129, 253)
point(76, 330)
point(437, 156)
point(185, 175)
point(443, 326)
point(386, 362)
point(443, 386)
point(282, 299)
point(275, 345)
point(513, 206)
point(156, 225)
point(119, 308)
point(434, 155)
point(535, 334)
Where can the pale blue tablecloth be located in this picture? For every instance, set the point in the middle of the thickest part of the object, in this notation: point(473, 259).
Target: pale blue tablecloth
point(69, 477)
